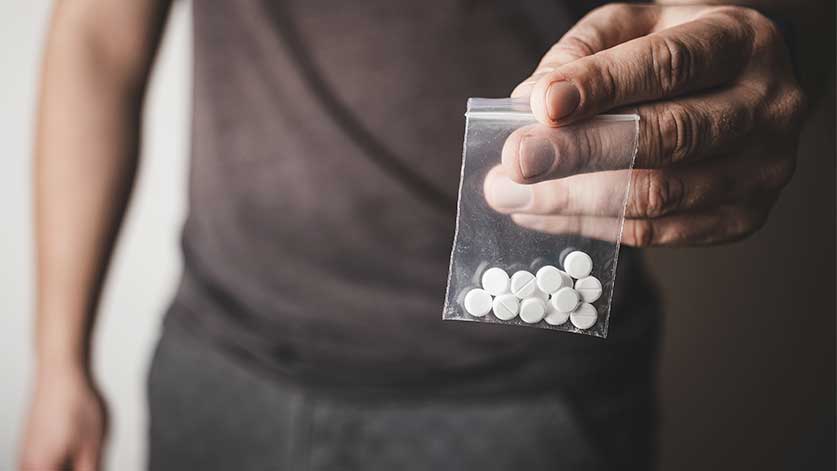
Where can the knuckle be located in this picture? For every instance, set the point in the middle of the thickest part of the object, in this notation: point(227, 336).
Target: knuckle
point(614, 11)
point(799, 102)
point(738, 226)
point(793, 106)
point(745, 222)
point(642, 233)
point(673, 63)
point(557, 201)
point(726, 126)
point(650, 139)
point(763, 27)
point(763, 32)
point(588, 144)
point(768, 33)
point(779, 174)
point(680, 233)
point(603, 85)
point(580, 44)
point(742, 15)
point(782, 109)
point(662, 195)
point(678, 134)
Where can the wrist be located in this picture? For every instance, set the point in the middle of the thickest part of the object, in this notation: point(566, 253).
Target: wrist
point(62, 343)
point(61, 370)
point(61, 357)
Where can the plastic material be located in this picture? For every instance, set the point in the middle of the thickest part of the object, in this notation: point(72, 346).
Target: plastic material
point(523, 284)
point(505, 307)
point(590, 289)
point(532, 310)
point(551, 279)
point(495, 281)
point(478, 302)
point(584, 317)
point(578, 264)
point(565, 300)
point(489, 245)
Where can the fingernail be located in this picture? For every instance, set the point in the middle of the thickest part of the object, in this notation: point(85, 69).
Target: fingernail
point(508, 195)
point(535, 156)
point(561, 100)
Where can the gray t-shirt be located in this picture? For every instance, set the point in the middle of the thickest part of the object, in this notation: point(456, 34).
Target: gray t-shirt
point(309, 259)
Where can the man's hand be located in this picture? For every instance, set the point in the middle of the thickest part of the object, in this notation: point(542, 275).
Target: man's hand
point(66, 425)
point(720, 116)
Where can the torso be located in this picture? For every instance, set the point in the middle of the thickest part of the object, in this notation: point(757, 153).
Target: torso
point(302, 252)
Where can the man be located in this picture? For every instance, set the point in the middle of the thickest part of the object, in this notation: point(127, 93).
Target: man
point(305, 333)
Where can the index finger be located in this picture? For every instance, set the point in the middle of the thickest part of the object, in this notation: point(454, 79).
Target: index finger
point(601, 29)
point(711, 50)
point(669, 133)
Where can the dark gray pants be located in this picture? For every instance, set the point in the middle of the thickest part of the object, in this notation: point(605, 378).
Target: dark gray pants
point(208, 412)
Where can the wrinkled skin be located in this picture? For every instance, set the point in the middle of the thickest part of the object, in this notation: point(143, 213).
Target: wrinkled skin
point(720, 114)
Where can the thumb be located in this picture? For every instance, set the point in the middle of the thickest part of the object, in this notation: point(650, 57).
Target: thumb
point(600, 29)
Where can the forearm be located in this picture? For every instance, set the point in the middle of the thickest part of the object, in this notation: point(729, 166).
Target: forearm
point(85, 159)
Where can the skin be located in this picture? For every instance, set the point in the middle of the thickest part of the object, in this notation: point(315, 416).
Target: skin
point(720, 112)
point(97, 60)
point(738, 94)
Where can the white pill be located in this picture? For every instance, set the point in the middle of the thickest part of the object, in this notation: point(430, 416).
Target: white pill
point(540, 294)
point(506, 306)
point(523, 284)
point(568, 280)
point(495, 281)
point(550, 279)
point(565, 300)
point(532, 310)
point(578, 264)
point(478, 302)
point(585, 316)
point(554, 316)
point(590, 288)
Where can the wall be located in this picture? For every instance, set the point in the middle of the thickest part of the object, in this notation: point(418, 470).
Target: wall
point(146, 263)
point(747, 375)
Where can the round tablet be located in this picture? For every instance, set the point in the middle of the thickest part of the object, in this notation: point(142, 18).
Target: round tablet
point(495, 281)
point(563, 255)
point(532, 310)
point(555, 317)
point(477, 302)
point(565, 300)
point(505, 307)
point(578, 264)
point(540, 294)
point(523, 284)
point(590, 288)
point(550, 279)
point(585, 316)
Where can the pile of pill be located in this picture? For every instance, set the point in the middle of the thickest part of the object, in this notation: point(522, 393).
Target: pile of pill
point(550, 295)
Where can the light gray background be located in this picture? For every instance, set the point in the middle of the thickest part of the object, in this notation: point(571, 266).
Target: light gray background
point(747, 375)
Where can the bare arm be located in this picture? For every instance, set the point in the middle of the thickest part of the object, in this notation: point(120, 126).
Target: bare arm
point(96, 65)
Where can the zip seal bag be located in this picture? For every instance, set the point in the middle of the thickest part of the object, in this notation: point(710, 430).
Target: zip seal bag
point(553, 271)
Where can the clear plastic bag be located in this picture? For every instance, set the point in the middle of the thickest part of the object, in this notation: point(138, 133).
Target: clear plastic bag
point(488, 239)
